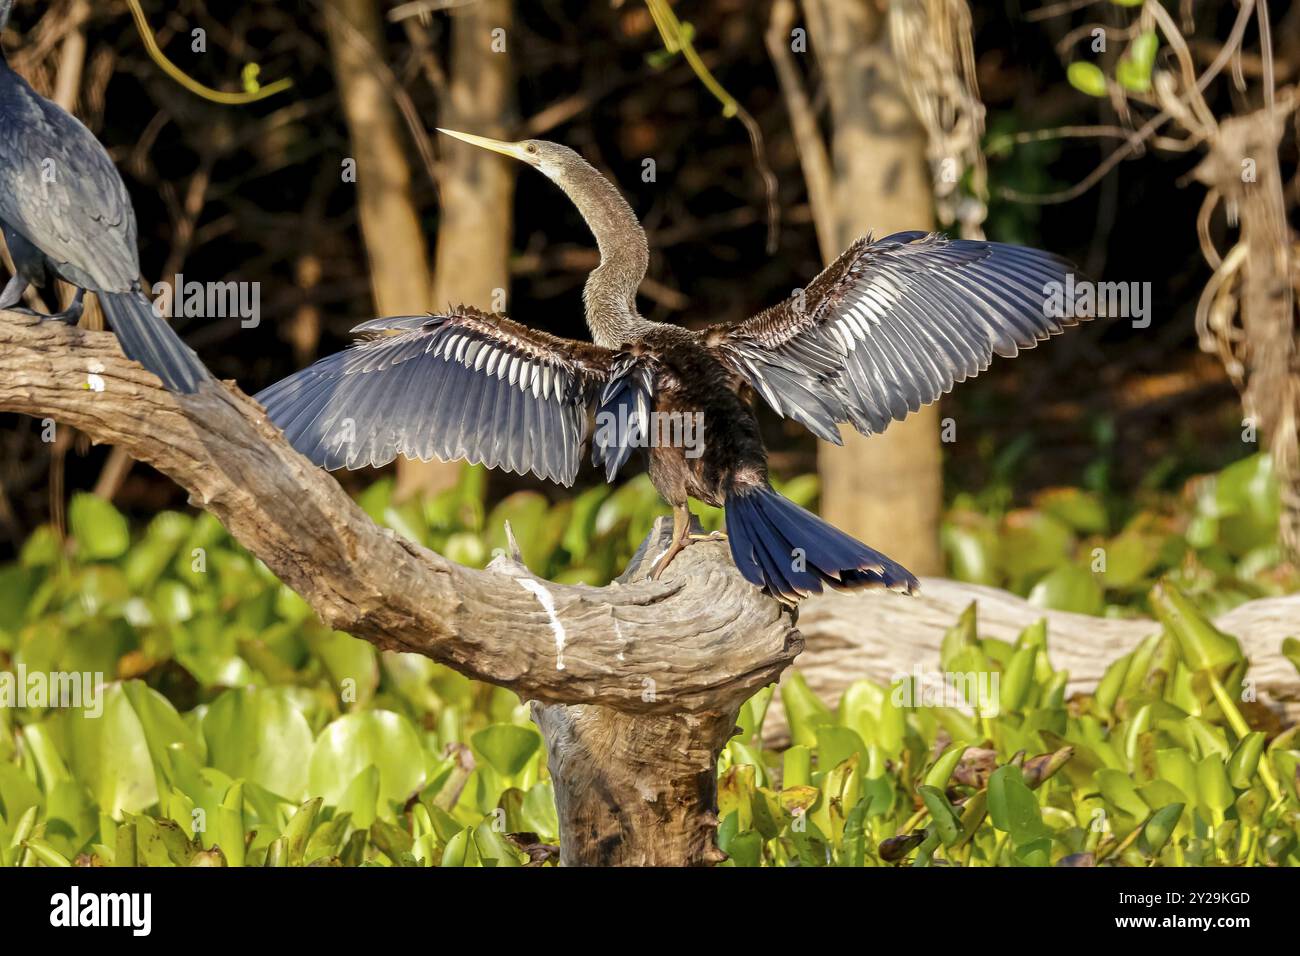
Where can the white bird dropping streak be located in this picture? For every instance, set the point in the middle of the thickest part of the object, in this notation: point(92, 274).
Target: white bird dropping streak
point(547, 601)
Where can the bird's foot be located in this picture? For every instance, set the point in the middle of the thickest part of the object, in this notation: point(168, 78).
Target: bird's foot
point(678, 546)
point(665, 559)
point(71, 315)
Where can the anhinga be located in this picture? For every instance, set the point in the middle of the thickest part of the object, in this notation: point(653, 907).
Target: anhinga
point(887, 328)
point(65, 212)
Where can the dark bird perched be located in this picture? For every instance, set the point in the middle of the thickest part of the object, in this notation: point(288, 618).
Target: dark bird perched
point(888, 327)
point(65, 212)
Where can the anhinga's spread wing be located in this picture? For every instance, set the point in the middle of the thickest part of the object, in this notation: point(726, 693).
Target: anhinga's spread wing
point(461, 385)
point(60, 190)
point(890, 326)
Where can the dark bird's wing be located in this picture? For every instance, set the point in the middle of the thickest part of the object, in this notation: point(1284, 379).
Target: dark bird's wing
point(461, 385)
point(890, 326)
point(61, 191)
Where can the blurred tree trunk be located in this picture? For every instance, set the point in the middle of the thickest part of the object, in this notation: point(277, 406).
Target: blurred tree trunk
point(390, 224)
point(887, 489)
point(476, 187)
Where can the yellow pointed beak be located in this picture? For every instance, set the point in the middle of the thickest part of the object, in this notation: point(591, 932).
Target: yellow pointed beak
point(513, 150)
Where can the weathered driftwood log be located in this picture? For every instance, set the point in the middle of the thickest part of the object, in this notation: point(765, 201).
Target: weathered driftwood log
point(881, 635)
point(637, 684)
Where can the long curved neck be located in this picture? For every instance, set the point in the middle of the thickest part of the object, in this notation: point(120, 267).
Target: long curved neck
point(610, 293)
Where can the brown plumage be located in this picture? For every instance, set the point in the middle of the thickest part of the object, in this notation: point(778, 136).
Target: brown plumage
point(889, 327)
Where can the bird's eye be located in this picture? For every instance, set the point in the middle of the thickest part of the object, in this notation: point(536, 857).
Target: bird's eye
point(530, 148)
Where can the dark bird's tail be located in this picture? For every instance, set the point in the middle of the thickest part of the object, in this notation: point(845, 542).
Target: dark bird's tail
point(792, 553)
point(149, 340)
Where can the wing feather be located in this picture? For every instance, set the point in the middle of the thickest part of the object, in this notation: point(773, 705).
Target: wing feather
point(891, 326)
point(461, 385)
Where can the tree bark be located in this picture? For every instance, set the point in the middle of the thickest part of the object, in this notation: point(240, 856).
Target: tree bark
point(886, 489)
point(633, 786)
point(1243, 167)
point(637, 684)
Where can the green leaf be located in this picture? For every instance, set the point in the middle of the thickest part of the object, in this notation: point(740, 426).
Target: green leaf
point(298, 829)
point(1013, 808)
point(796, 766)
point(938, 775)
point(259, 734)
point(493, 848)
point(1119, 789)
point(1129, 557)
point(1248, 504)
point(99, 529)
point(1214, 788)
point(754, 710)
point(18, 795)
point(1158, 830)
point(1134, 69)
point(745, 848)
point(360, 800)
point(1082, 510)
point(1202, 645)
point(228, 829)
point(461, 850)
point(959, 639)
point(507, 747)
point(1175, 766)
point(1018, 680)
point(1086, 78)
point(1245, 759)
point(1034, 542)
point(804, 710)
point(46, 853)
point(110, 754)
point(1291, 651)
point(836, 745)
point(946, 822)
point(390, 840)
point(352, 665)
point(1069, 588)
point(356, 741)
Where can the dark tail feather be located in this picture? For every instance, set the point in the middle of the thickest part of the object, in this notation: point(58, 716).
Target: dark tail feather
point(149, 340)
point(792, 553)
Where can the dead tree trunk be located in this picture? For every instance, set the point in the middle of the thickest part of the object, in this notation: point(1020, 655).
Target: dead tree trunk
point(1243, 168)
point(636, 685)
